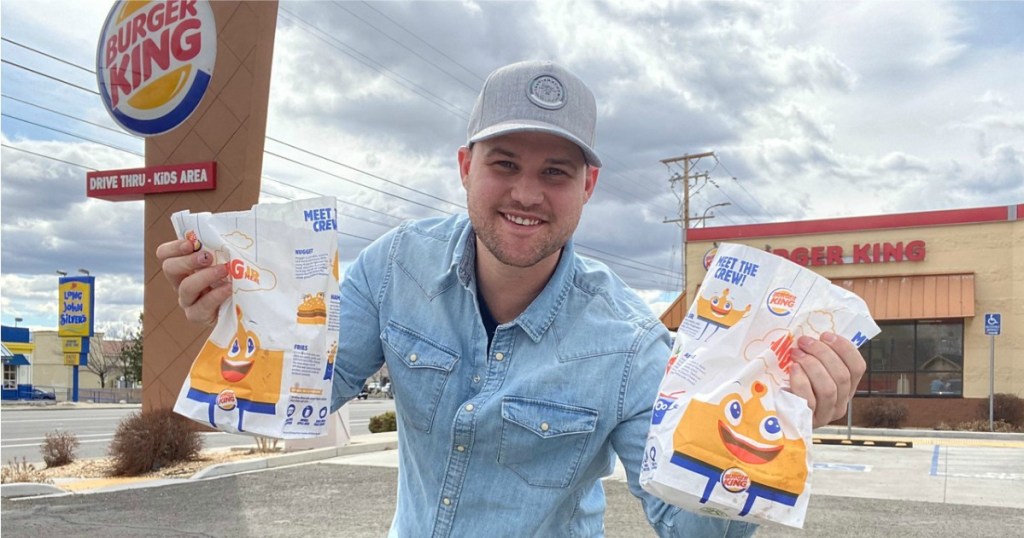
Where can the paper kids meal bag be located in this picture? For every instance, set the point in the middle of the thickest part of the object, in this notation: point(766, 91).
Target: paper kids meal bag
point(725, 438)
point(266, 368)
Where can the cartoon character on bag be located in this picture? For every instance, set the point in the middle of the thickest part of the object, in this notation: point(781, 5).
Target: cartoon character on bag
point(739, 443)
point(241, 376)
point(719, 312)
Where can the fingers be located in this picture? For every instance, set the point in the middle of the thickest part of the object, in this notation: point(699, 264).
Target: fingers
point(829, 370)
point(201, 293)
point(179, 260)
point(201, 286)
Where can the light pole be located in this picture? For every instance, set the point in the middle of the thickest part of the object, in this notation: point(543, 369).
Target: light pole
point(83, 271)
point(704, 219)
point(17, 321)
point(61, 273)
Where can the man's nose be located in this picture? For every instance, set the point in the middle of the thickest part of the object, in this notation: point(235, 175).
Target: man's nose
point(527, 191)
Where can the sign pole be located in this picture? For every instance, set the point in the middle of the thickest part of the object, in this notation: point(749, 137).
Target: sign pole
point(991, 381)
point(993, 326)
point(74, 383)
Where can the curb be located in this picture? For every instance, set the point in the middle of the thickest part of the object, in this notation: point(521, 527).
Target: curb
point(937, 434)
point(29, 489)
point(360, 444)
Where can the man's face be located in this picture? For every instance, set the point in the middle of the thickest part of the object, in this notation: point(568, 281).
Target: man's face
point(525, 193)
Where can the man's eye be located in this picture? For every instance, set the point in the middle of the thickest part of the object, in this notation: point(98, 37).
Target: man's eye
point(506, 164)
point(556, 172)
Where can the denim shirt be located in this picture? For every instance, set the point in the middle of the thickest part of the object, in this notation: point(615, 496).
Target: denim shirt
point(509, 440)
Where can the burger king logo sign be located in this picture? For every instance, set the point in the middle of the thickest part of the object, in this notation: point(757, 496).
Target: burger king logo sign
point(154, 62)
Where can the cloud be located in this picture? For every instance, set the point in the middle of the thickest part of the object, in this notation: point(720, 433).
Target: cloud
point(814, 110)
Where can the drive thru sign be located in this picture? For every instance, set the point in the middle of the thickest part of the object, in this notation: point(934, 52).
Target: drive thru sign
point(993, 324)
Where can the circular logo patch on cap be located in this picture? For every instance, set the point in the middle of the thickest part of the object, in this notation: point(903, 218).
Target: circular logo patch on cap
point(547, 92)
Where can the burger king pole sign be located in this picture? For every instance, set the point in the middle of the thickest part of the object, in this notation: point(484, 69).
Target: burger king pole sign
point(154, 63)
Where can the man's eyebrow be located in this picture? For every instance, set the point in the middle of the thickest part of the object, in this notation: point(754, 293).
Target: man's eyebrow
point(500, 151)
point(556, 161)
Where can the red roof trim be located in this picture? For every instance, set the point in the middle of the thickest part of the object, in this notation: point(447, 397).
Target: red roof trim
point(852, 224)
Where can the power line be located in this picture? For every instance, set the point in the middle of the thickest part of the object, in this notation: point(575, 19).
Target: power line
point(367, 61)
point(354, 182)
point(112, 129)
point(52, 158)
point(52, 57)
point(404, 46)
point(350, 167)
point(421, 40)
point(87, 139)
point(766, 212)
point(19, 66)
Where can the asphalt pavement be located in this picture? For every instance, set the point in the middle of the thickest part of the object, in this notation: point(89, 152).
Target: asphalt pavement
point(947, 486)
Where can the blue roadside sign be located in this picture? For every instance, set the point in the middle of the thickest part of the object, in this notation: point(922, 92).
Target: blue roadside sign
point(993, 324)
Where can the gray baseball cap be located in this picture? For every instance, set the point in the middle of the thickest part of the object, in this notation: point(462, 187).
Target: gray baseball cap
point(539, 97)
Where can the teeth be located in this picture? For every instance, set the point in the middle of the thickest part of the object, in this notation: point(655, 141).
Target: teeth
point(236, 364)
point(522, 221)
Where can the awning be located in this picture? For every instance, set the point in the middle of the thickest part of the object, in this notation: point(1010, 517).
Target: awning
point(673, 315)
point(915, 297)
point(16, 360)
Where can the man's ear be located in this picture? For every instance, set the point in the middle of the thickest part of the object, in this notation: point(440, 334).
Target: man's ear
point(465, 157)
point(590, 182)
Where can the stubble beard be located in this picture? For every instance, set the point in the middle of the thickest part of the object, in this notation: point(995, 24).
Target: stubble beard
point(487, 232)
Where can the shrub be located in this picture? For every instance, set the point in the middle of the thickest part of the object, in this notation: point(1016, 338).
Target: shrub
point(884, 413)
point(265, 444)
point(21, 471)
point(384, 423)
point(59, 448)
point(998, 426)
point(1005, 407)
point(145, 442)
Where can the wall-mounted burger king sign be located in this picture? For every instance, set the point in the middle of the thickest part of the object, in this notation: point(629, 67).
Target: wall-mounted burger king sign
point(154, 62)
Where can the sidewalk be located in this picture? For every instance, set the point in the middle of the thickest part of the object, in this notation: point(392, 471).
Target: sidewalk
point(360, 444)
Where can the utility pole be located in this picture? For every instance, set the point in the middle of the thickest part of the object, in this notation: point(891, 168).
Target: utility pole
point(688, 164)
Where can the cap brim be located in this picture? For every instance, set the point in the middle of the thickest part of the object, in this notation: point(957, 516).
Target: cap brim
point(510, 127)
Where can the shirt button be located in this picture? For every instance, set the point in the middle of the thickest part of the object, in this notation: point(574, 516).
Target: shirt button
point(499, 356)
point(544, 426)
point(469, 407)
point(413, 358)
point(460, 448)
point(476, 379)
point(447, 501)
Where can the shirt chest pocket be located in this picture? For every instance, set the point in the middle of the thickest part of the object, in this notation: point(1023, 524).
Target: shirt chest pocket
point(543, 442)
point(419, 371)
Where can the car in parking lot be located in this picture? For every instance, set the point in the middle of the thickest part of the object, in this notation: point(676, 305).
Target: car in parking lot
point(40, 394)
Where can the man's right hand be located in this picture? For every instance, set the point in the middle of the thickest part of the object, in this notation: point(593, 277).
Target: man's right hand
point(201, 285)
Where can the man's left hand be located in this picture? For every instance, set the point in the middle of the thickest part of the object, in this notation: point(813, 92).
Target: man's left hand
point(825, 372)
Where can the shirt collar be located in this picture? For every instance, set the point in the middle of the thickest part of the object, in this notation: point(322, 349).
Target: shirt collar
point(537, 317)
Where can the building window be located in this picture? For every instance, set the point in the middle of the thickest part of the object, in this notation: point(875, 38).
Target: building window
point(10, 377)
point(915, 358)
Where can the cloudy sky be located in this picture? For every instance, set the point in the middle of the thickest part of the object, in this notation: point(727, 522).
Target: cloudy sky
point(813, 110)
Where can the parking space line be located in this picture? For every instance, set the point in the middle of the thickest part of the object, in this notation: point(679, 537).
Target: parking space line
point(935, 461)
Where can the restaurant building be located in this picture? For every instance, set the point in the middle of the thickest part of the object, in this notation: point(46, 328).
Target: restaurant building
point(929, 280)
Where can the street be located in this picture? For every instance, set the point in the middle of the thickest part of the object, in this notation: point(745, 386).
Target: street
point(22, 431)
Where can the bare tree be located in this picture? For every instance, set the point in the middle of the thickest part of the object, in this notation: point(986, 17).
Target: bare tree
point(104, 365)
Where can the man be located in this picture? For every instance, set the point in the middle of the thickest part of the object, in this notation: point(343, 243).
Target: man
point(519, 369)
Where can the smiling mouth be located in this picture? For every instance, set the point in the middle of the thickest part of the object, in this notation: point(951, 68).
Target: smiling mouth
point(234, 371)
point(720, 311)
point(744, 449)
point(522, 221)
